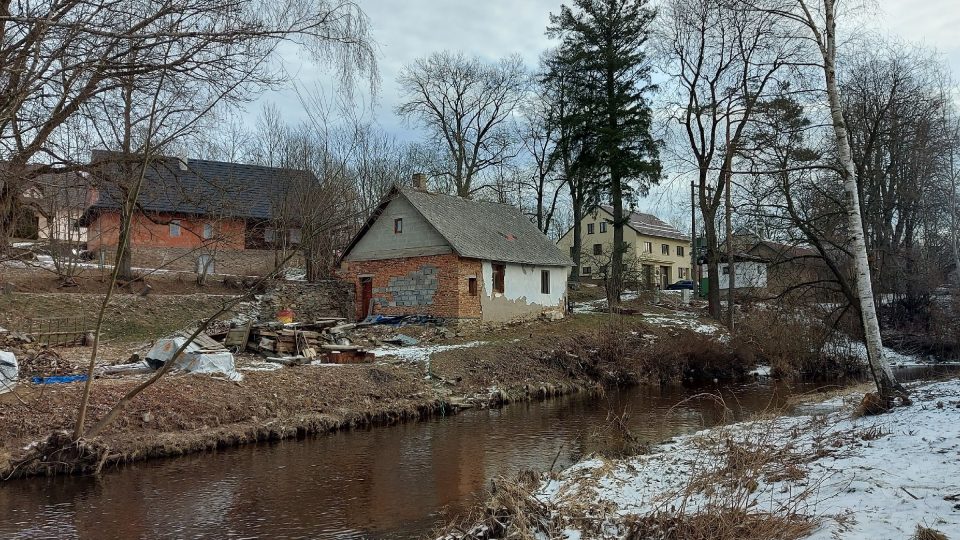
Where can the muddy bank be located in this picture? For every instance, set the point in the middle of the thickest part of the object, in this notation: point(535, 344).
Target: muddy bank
point(184, 413)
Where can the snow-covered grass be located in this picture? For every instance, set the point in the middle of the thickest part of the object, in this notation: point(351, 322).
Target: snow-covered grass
point(829, 476)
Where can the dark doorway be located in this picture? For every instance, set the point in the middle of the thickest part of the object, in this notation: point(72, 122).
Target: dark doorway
point(366, 296)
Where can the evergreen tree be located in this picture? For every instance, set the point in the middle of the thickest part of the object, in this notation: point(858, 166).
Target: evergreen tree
point(602, 50)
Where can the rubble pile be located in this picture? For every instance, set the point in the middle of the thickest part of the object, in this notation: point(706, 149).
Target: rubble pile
point(331, 339)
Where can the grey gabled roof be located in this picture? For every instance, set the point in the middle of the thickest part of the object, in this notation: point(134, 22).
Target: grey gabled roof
point(206, 187)
point(651, 225)
point(479, 229)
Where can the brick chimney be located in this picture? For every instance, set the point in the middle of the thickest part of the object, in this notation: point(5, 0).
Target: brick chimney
point(420, 181)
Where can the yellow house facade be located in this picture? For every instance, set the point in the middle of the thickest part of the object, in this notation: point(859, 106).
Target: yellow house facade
point(658, 252)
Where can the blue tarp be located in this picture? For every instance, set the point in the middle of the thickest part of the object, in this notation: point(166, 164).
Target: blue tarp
point(61, 379)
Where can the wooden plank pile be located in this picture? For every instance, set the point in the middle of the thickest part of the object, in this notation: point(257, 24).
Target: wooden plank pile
point(299, 343)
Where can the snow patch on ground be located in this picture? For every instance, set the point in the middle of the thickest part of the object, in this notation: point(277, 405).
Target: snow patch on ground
point(875, 477)
point(421, 353)
point(683, 320)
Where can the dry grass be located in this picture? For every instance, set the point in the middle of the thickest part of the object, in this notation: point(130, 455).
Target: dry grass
point(719, 524)
point(925, 533)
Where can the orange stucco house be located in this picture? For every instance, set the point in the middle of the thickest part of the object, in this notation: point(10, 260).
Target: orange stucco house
point(191, 213)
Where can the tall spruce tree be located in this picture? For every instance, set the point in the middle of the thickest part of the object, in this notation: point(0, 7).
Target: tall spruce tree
point(603, 51)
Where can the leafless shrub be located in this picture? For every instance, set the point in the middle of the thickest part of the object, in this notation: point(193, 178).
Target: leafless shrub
point(614, 439)
point(796, 343)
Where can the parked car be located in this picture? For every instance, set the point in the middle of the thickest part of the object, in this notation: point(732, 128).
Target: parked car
point(683, 284)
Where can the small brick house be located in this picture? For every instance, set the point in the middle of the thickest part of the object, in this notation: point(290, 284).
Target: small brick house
point(431, 254)
point(192, 212)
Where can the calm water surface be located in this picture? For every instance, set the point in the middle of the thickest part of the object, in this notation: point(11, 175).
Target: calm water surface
point(394, 482)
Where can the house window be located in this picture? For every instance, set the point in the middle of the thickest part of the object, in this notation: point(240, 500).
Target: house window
point(572, 252)
point(398, 226)
point(295, 236)
point(472, 286)
point(665, 249)
point(679, 251)
point(682, 273)
point(586, 270)
point(726, 270)
point(175, 228)
point(648, 247)
point(268, 234)
point(589, 228)
point(499, 270)
point(598, 249)
point(603, 226)
point(545, 281)
point(207, 231)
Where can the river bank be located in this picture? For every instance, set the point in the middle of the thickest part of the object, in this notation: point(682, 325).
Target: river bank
point(822, 473)
point(183, 414)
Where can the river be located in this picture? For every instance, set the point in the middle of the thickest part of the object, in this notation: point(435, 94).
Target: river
point(387, 482)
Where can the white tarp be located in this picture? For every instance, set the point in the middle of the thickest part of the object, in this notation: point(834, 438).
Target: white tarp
point(193, 360)
point(9, 371)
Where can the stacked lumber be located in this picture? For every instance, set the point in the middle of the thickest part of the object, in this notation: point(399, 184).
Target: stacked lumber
point(298, 343)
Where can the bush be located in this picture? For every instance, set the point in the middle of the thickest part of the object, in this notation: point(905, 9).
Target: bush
point(797, 344)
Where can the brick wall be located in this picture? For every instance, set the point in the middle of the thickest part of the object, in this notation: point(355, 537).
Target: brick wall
point(247, 262)
point(430, 285)
point(155, 231)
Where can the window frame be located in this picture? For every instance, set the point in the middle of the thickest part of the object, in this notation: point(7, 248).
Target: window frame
point(175, 228)
point(648, 247)
point(680, 251)
point(590, 228)
point(207, 231)
point(598, 249)
point(499, 278)
point(295, 235)
point(544, 282)
point(603, 227)
point(665, 249)
point(472, 288)
point(398, 225)
point(586, 270)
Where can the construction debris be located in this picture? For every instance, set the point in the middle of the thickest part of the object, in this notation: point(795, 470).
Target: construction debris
point(202, 355)
point(9, 371)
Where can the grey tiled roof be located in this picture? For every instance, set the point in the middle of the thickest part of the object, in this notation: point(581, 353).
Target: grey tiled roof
point(478, 229)
point(651, 225)
point(486, 230)
point(205, 188)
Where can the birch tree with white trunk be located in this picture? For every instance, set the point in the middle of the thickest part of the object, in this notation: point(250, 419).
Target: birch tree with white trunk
point(820, 20)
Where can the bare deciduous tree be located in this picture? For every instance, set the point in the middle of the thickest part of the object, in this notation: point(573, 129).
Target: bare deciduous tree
point(466, 106)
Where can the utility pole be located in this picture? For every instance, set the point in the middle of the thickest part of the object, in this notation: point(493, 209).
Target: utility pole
point(693, 241)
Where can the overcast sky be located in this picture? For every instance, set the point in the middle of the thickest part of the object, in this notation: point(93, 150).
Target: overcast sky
point(409, 29)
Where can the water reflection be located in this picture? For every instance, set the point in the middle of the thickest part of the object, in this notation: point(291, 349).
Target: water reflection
point(381, 483)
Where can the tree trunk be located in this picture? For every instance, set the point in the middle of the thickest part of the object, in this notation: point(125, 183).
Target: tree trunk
point(713, 266)
point(887, 384)
point(124, 257)
point(731, 268)
point(577, 237)
point(615, 277)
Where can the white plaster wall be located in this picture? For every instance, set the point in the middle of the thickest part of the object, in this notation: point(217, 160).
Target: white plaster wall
point(749, 275)
point(521, 295)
